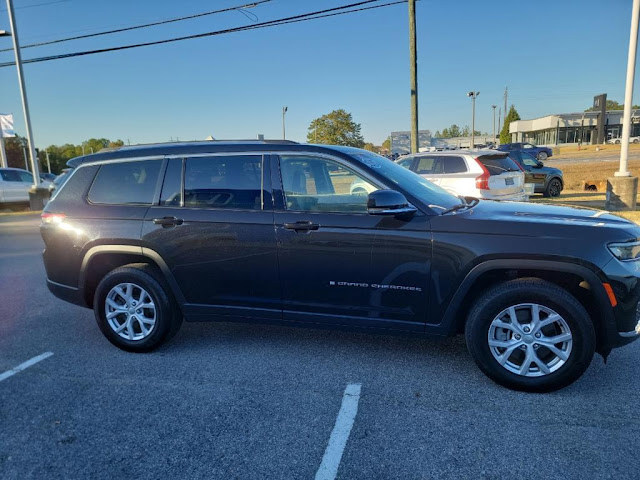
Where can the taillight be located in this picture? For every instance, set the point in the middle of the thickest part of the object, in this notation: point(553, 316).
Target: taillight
point(52, 218)
point(482, 182)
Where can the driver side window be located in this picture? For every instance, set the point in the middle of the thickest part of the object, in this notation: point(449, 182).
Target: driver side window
point(313, 184)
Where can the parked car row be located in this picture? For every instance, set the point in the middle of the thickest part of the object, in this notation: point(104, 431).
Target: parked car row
point(488, 174)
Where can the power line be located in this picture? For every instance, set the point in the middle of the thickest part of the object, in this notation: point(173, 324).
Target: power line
point(146, 25)
point(35, 5)
point(296, 18)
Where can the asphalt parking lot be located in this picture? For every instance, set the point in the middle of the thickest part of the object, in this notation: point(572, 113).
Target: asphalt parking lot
point(248, 401)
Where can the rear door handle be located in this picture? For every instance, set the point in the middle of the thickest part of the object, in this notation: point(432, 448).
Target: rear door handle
point(168, 221)
point(303, 225)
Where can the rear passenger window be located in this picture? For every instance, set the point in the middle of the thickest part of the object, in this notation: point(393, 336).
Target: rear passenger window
point(172, 187)
point(429, 166)
point(454, 164)
point(233, 182)
point(126, 183)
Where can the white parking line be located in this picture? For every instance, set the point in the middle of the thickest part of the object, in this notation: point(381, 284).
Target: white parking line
point(340, 434)
point(22, 366)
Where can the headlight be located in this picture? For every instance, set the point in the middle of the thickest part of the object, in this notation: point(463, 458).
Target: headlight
point(625, 251)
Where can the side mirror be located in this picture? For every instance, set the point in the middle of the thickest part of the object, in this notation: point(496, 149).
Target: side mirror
point(389, 202)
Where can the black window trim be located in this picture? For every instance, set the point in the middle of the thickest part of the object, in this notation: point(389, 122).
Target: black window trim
point(102, 163)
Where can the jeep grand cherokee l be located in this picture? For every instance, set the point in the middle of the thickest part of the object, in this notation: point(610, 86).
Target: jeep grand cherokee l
point(147, 236)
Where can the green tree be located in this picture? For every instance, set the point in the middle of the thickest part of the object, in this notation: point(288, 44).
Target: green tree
point(452, 131)
point(335, 128)
point(386, 145)
point(611, 105)
point(512, 116)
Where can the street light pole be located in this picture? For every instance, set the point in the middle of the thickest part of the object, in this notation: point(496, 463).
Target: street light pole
point(623, 171)
point(284, 110)
point(23, 93)
point(494, 122)
point(473, 96)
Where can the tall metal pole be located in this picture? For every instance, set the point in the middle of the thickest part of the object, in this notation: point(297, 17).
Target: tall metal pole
point(499, 119)
point(623, 171)
point(413, 68)
point(284, 110)
point(494, 121)
point(506, 98)
point(48, 162)
point(473, 121)
point(3, 153)
point(23, 94)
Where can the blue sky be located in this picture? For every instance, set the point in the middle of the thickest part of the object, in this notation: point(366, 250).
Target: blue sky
point(554, 56)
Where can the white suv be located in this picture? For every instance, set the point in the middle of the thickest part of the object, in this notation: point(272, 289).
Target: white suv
point(488, 174)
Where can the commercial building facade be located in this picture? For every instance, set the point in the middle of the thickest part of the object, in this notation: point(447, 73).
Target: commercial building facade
point(565, 128)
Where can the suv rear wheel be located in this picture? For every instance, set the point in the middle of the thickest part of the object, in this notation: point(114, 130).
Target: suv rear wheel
point(542, 156)
point(134, 309)
point(530, 335)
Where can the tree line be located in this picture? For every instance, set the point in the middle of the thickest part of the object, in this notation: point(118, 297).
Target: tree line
point(59, 155)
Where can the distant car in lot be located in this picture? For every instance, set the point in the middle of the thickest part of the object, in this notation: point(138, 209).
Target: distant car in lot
point(617, 140)
point(541, 153)
point(14, 186)
point(47, 177)
point(269, 232)
point(488, 174)
point(546, 180)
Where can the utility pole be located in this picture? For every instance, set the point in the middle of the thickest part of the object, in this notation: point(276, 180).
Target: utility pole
point(499, 118)
point(494, 122)
point(48, 162)
point(622, 189)
point(284, 110)
point(23, 93)
point(413, 68)
point(473, 96)
point(26, 158)
point(506, 98)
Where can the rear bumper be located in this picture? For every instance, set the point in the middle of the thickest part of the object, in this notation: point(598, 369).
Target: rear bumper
point(66, 293)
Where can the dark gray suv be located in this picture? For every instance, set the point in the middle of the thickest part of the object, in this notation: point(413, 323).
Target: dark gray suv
point(147, 236)
point(547, 180)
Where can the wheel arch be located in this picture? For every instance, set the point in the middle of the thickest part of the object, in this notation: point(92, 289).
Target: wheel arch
point(101, 259)
point(486, 274)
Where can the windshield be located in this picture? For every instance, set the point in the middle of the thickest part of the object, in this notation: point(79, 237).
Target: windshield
point(410, 182)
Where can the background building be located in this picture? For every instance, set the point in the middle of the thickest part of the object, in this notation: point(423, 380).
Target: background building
point(565, 128)
point(401, 141)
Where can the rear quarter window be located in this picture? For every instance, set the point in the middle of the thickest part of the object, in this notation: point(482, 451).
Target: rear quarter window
point(125, 183)
point(454, 164)
point(497, 165)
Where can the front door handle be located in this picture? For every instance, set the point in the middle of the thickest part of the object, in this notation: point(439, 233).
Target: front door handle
point(168, 221)
point(303, 225)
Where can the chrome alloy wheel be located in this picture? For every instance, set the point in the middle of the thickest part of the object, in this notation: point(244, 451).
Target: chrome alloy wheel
point(530, 340)
point(130, 311)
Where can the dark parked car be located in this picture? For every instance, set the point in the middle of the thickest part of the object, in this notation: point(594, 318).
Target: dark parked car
point(547, 180)
point(272, 232)
point(541, 153)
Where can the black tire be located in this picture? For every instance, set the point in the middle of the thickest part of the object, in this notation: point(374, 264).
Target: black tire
point(554, 187)
point(168, 317)
point(542, 156)
point(546, 294)
point(635, 140)
point(617, 142)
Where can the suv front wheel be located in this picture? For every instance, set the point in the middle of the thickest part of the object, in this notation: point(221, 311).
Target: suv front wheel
point(134, 309)
point(530, 335)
